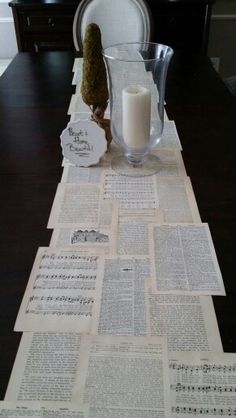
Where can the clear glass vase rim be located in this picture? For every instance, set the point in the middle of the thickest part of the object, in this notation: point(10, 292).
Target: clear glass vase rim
point(166, 47)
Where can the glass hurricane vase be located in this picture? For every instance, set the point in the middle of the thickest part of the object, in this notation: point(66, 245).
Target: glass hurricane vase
point(137, 77)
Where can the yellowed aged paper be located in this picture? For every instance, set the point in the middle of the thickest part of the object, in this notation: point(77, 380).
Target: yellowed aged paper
point(145, 213)
point(183, 260)
point(130, 192)
point(123, 373)
point(78, 63)
point(172, 195)
point(60, 292)
point(120, 308)
point(188, 321)
point(172, 164)
point(176, 199)
point(76, 205)
point(75, 116)
point(202, 384)
point(42, 410)
point(170, 138)
point(100, 240)
point(133, 236)
point(74, 174)
point(44, 367)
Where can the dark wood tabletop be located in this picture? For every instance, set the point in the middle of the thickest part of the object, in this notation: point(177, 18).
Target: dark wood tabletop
point(35, 92)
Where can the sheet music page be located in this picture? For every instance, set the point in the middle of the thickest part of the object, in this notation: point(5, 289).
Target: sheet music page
point(177, 200)
point(184, 260)
point(189, 322)
point(101, 240)
point(122, 375)
point(45, 367)
point(60, 292)
point(120, 309)
point(203, 384)
point(75, 205)
point(133, 236)
point(45, 410)
point(131, 192)
point(172, 195)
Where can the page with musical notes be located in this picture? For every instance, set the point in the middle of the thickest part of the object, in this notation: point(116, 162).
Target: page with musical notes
point(172, 195)
point(60, 292)
point(131, 192)
point(202, 384)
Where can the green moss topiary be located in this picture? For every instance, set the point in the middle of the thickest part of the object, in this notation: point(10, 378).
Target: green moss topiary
point(94, 88)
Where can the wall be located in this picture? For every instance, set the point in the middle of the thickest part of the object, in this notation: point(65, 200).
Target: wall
point(222, 41)
point(8, 46)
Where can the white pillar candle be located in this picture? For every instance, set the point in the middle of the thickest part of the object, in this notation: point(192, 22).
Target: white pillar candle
point(136, 114)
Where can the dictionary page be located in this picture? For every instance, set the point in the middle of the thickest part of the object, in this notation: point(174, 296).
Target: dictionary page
point(142, 213)
point(45, 367)
point(176, 199)
point(60, 292)
point(133, 237)
point(184, 260)
point(189, 322)
point(123, 373)
point(74, 205)
point(203, 384)
point(101, 240)
point(121, 308)
point(74, 174)
point(42, 410)
point(172, 166)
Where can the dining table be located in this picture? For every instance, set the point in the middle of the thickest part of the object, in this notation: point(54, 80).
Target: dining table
point(35, 93)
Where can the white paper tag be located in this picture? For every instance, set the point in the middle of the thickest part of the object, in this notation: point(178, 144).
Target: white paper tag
point(83, 143)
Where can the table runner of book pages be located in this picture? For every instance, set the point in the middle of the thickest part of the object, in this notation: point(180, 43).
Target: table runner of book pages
point(117, 317)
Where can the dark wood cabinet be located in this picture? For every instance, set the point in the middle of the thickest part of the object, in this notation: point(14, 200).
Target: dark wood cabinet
point(44, 25)
point(47, 24)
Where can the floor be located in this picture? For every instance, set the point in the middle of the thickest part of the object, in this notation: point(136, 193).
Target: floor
point(4, 64)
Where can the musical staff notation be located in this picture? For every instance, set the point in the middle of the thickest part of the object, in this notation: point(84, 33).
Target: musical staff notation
point(204, 411)
point(203, 388)
point(205, 368)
